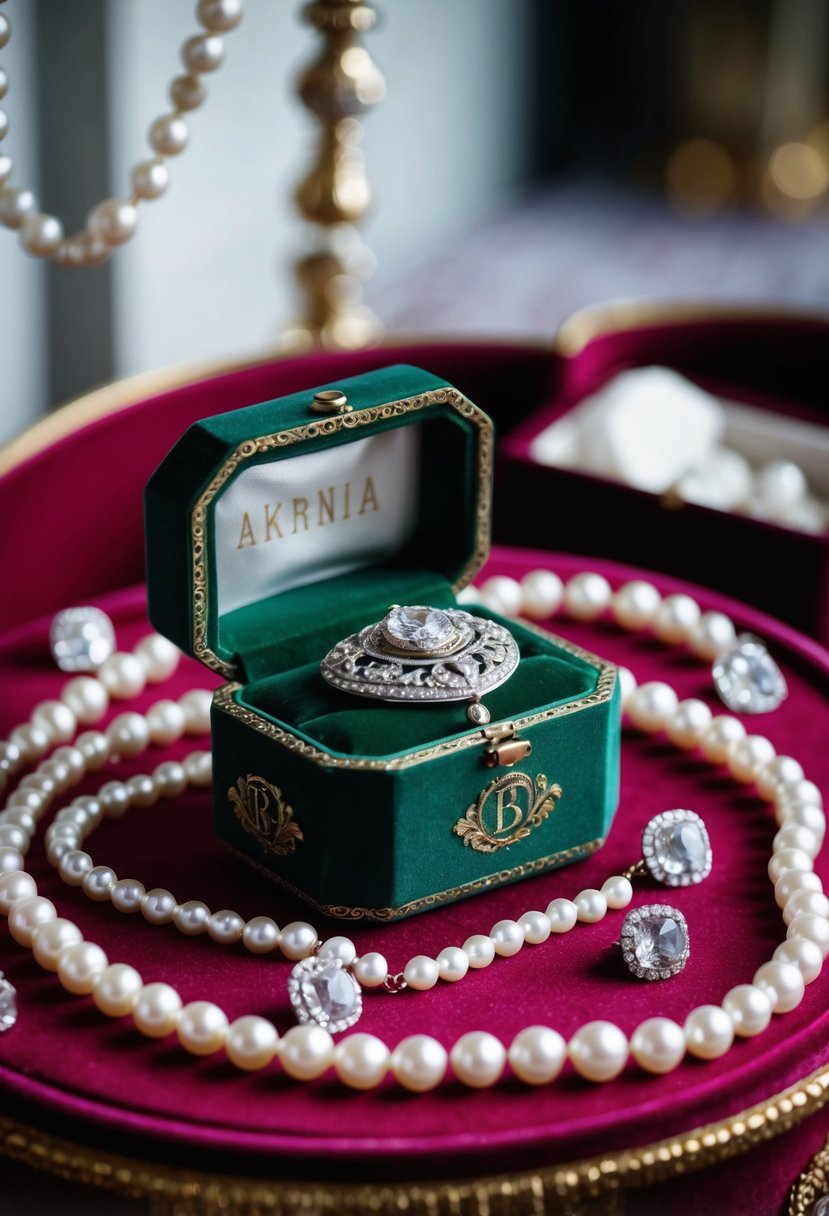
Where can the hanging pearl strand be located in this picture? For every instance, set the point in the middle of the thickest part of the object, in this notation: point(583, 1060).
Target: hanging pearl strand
point(598, 1051)
point(114, 220)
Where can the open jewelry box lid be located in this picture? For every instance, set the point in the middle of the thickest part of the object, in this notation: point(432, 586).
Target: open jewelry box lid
point(270, 526)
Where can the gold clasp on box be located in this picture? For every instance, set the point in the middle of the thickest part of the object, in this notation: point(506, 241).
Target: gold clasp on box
point(504, 748)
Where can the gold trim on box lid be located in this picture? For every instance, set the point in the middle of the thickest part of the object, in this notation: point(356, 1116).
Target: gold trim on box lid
point(323, 428)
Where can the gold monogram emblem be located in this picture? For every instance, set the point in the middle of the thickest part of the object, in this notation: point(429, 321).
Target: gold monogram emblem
point(261, 810)
point(507, 811)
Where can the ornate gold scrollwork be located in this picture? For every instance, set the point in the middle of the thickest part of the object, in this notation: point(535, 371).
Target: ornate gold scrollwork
point(262, 811)
point(507, 811)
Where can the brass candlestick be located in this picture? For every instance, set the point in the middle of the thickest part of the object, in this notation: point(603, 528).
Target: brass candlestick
point(341, 83)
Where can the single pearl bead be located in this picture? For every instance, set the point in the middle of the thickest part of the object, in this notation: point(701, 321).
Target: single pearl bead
point(169, 134)
point(87, 699)
point(298, 940)
point(371, 970)
point(783, 984)
point(122, 675)
point(187, 92)
point(4, 118)
point(502, 594)
point(688, 723)
point(5, 30)
point(74, 761)
point(261, 935)
point(804, 954)
point(635, 604)
point(150, 178)
point(114, 799)
point(198, 768)
point(157, 1010)
point(98, 883)
point(618, 891)
point(627, 685)
point(591, 906)
point(87, 810)
point(804, 813)
point(453, 964)
point(169, 779)
point(10, 859)
point(251, 1043)
point(563, 915)
point(675, 618)
point(55, 720)
point(4, 81)
point(203, 53)
point(478, 1059)
point(419, 1063)
point(32, 741)
point(23, 818)
point(15, 885)
point(749, 1009)
point(114, 221)
point(480, 950)
point(541, 593)
point(795, 880)
point(80, 966)
point(225, 927)
point(780, 485)
point(746, 757)
point(127, 895)
point(158, 906)
point(306, 1052)
point(50, 937)
point(30, 800)
point(713, 633)
point(13, 837)
point(709, 1032)
point(651, 705)
point(16, 202)
point(537, 1055)
point(507, 937)
point(128, 735)
point(586, 596)
point(658, 1045)
point(74, 866)
point(40, 234)
point(800, 791)
point(815, 928)
point(202, 1028)
point(159, 657)
point(795, 836)
point(598, 1051)
point(421, 973)
point(117, 989)
point(221, 15)
point(536, 926)
point(778, 771)
point(813, 902)
point(191, 917)
point(141, 790)
point(361, 1061)
point(196, 705)
point(59, 773)
point(58, 847)
point(94, 747)
point(339, 947)
point(165, 721)
point(784, 860)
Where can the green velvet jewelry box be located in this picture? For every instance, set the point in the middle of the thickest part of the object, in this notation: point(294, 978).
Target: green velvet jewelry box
point(277, 530)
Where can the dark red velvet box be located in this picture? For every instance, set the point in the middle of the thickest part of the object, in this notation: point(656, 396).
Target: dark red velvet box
point(90, 1099)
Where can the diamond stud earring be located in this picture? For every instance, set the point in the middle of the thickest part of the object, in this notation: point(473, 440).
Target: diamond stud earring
point(654, 942)
point(747, 679)
point(676, 851)
point(81, 639)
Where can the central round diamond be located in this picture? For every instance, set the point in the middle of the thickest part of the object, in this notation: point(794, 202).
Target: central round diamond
point(418, 628)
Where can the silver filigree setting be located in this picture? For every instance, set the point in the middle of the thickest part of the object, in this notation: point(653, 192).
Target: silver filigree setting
point(676, 849)
point(325, 992)
point(747, 679)
point(654, 941)
point(417, 654)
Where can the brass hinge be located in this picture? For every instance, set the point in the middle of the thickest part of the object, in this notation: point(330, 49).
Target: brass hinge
point(503, 747)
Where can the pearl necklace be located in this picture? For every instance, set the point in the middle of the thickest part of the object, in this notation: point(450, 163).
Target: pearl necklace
point(114, 220)
point(598, 1051)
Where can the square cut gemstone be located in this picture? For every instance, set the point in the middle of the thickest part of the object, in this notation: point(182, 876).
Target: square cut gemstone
point(331, 991)
point(681, 848)
point(747, 678)
point(659, 941)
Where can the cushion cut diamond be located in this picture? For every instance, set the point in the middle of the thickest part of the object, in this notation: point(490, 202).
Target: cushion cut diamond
point(676, 848)
point(323, 991)
point(655, 941)
point(747, 678)
point(81, 639)
point(418, 627)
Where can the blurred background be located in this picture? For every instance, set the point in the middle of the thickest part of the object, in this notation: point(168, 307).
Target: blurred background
point(529, 159)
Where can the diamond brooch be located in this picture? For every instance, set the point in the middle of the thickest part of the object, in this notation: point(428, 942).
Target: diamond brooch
point(747, 678)
point(421, 654)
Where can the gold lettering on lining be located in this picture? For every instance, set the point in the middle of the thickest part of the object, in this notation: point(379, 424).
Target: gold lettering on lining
point(246, 537)
point(326, 505)
point(271, 521)
point(369, 497)
point(262, 811)
point(330, 510)
point(507, 811)
point(300, 512)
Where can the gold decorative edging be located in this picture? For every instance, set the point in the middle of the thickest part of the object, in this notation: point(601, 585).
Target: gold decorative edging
point(323, 429)
point(224, 702)
point(342, 912)
point(812, 1184)
point(549, 1191)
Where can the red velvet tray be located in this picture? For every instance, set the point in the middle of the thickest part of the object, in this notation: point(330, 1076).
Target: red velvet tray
point(67, 1071)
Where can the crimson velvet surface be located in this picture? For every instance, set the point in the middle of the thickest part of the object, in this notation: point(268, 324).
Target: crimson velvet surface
point(75, 536)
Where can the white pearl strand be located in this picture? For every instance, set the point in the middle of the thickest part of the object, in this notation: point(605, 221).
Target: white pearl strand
point(114, 220)
point(598, 1051)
